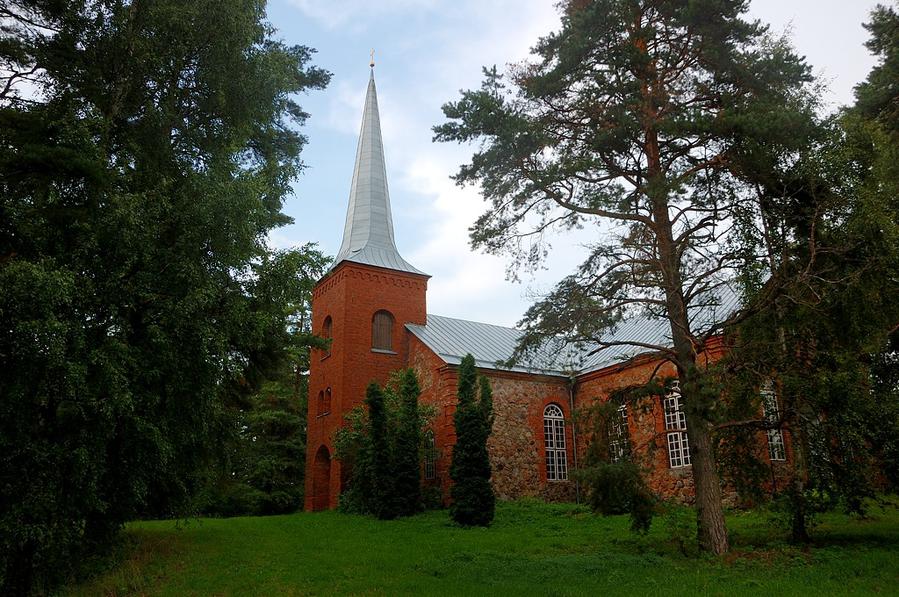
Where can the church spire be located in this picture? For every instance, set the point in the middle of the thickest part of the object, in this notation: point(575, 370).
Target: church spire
point(368, 233)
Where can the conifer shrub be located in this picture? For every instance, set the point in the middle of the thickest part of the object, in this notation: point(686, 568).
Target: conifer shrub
point(473, 499)
point(381, 445)
point(407, 448)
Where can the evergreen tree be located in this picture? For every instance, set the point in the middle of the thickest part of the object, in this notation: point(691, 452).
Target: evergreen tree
point(407, 447)
point(636, 118)
point(141, 171)
point(383, 499)
point(827, 341)
point(473, 499)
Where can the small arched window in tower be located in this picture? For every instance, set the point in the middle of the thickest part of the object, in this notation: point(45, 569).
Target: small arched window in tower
point(554, 442)
point(327, 335)
point(326, 403)
point(382, 331)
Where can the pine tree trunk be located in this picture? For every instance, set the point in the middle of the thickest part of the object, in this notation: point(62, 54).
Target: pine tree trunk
point(712, 531)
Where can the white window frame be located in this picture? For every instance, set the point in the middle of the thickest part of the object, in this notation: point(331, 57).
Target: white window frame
point(619, 435)
point(554, 443)
point(777, 450)
point(430, 458)
point(676, 429)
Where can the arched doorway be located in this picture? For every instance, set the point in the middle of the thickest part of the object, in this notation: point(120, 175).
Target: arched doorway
point(321, 479)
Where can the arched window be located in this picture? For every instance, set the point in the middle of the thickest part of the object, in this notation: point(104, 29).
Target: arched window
point(554, 442)
point(776, 449)
point(326, 405)
point(676, 428)
point(619, 437)
point(430, 456)
point(327, 334)
point(382, 331)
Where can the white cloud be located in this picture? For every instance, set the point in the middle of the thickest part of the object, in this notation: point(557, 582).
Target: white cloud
point(431, 50)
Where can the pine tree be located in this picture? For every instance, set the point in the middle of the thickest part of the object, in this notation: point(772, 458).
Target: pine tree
point(407, 462)
point(637, 119)
point(473, 499)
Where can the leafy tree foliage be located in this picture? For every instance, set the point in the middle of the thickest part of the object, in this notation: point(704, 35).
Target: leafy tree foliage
point(141, 169)
point(828, 340)
point(639, 119)
point(474, 502)
point(261, 460)
point(383, 447)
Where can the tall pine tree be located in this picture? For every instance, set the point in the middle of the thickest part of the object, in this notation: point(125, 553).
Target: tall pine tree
point(634, 120)
point(473, 499)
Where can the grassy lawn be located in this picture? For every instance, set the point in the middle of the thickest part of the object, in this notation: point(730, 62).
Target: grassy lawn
point(532, 549)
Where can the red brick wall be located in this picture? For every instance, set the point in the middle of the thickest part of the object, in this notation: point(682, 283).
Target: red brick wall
point(350, 295)
point(516, 446)
point(647, 425)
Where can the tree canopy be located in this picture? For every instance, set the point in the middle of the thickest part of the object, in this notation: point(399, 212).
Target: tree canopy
point(145, 152)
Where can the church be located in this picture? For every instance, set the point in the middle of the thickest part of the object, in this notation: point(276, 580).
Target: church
point(372, 305)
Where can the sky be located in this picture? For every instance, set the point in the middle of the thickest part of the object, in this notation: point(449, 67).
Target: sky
point(426, 51)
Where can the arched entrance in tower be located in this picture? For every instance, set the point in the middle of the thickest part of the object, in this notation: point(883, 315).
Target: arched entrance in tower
point(321, 479)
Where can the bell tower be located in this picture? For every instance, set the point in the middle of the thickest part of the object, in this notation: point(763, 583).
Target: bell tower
point(362, 304)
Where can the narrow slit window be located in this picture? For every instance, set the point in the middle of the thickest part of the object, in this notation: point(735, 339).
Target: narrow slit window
point(327, 334)
point(326, 403)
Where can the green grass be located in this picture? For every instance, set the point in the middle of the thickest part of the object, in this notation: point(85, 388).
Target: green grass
point(532, 549)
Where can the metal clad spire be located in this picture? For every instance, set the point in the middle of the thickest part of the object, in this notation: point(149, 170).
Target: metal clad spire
point(368, 233)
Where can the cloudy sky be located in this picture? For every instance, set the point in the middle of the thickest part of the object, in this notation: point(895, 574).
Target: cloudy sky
point(428, 50)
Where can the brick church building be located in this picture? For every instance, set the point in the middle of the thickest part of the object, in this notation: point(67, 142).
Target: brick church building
point(372, 304)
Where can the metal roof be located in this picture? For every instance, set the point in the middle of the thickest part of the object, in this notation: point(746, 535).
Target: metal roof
point(451, 339)
point(368, 233)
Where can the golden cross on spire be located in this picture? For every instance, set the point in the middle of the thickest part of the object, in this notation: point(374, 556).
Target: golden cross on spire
point(372, 63)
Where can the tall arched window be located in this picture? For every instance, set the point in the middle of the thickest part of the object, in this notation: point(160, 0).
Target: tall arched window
point(676, 428)
point(554, 442)
point(326, 405)
point(382, 331)
point(776, 448)
point(619, 436)
point(327, 333)
point(430, 456)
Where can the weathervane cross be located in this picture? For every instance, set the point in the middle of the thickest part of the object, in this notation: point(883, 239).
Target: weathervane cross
point(372, 63)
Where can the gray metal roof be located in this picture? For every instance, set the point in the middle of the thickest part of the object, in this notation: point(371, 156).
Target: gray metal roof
point(368, 233)
point(451, 339)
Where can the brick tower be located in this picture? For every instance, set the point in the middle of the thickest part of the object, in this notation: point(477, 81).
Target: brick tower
point(362, 304)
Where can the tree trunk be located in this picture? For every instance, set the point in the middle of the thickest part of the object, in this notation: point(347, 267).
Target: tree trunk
point(711, 527)
point(712, 530)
